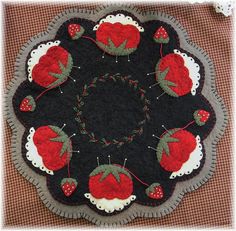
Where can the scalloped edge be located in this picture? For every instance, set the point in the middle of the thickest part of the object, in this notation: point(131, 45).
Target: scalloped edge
point(121, 18)
point(135, 210)
point(36, 54)
point(32, 153)
point(194, 161)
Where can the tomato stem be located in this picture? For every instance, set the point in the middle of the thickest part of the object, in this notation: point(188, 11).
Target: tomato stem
point(161, 50)
point(42, 93)
point(192, 122)
point(68, 169)
point(133, 175)
point(89, 38)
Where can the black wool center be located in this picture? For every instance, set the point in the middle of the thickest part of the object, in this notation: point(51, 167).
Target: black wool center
point(112, 110)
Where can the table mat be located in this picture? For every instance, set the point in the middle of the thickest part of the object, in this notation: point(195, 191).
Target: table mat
point(226, 131)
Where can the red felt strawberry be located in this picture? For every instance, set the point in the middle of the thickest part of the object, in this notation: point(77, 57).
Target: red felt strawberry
point(173, 76)
point(174, 148)
point(27, 104)
point(109, 182)
point(68, 186)
point(53, 68)
point(161, 36)
point(201, 117)
point(75, 31)
point(53, 145)
point(155, 191)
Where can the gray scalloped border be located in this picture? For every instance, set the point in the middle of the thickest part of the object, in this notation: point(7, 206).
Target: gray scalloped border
point(135, 210)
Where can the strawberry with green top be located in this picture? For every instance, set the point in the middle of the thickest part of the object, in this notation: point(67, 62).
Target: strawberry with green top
point(109, 182)
point(155, 191)
point(201, 117)
point(68, 186)
point(174, 149)
point(118, 35)
point(50, 66)
point(173, 76)
point(161, 36)
point(110, 188)
point(53, 68)
point(53, 145)
point(75, 31)
point(27, 104)
point(178, 150)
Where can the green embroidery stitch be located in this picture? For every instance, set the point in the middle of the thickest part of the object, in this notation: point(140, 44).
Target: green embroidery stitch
point(116, 78)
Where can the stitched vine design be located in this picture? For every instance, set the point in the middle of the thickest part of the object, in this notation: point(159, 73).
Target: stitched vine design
point(134, 84)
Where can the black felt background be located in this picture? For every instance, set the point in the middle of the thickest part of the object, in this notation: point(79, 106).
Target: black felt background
point(55, 108)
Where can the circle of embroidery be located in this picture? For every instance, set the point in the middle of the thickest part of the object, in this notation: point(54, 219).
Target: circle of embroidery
point(135, 85)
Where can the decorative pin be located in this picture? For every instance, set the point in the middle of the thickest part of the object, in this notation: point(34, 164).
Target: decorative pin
point(153, 135)
point(124, 162)
point(158, 97)
point(98, 161)
point(109, 159)
point(179, 151)
point(63, 127)
point(58, 71)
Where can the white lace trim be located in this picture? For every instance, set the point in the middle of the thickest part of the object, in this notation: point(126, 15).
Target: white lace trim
point(193, 69)
point(36, 54)
point(109, 206)
point(32, 153)
point(125, 20)
point(224, 7)
point(192, 163)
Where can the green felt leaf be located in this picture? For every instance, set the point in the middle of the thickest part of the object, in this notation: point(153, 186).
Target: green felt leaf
point(162, 74)
point(151, 188)
point(113, 50)
point(169, 83)
point(163, 143)
point(56, 129)
point(165, 147)
point(65, 71)
point(65, 147)
point(107, 169)
point(62, 67)
point(78, 33)
point(197, 119)
point(162, 40)
point(60, 139)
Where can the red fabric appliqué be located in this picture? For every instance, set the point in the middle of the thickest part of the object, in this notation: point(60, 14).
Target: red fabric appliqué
point(179, 151)
point(177, 73)
point(49, 63)
point(110, 188)
point(118, 34)
point(49, 150)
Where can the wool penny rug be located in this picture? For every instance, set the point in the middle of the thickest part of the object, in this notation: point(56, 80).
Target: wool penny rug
point(114, 114)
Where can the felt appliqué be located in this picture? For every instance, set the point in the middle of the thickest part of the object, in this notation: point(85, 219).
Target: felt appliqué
point(116, 141)
point(118, 34)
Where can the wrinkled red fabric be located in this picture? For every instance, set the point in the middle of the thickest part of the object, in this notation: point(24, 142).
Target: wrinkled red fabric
point(109, 188)
point(118, 33)
point(49, 63)
point(49, 150)
point(179, 151)
point(178, 73)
